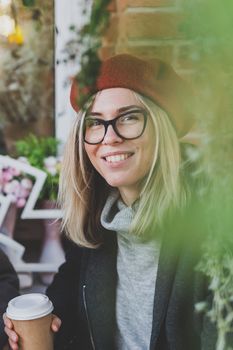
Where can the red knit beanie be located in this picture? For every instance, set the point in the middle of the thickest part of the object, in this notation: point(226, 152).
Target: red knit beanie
point(154, 79)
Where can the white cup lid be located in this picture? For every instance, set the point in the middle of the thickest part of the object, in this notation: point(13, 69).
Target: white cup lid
point(29, 307)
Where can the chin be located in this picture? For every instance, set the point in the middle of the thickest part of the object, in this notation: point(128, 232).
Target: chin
point(115, 182)
point(120, 179)
point(119, 183)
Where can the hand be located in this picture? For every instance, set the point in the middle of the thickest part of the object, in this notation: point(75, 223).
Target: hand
point(14, 338)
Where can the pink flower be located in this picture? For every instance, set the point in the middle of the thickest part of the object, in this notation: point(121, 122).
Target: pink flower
point(50, 162)
point(20, 203)
point(7, 175)
point(26, 183)
point(1, 177)
point(11, 187)
point(24, 192)
point(13, 198)
point(15, 172)
point(15, 185)
point(52, 171)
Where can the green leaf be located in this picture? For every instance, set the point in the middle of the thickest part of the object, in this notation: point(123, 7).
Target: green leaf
point(29, 3)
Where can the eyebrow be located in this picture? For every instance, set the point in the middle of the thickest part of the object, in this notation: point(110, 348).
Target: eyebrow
point(119, 110)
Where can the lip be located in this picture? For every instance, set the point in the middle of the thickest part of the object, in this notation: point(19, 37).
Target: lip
point(116, 153)
point(119, 163)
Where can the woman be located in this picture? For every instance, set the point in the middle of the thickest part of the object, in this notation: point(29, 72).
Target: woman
point(128, 281)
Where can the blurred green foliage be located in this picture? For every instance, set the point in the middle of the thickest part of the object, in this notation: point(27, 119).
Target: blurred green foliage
point(209, 24)
point(36, 149)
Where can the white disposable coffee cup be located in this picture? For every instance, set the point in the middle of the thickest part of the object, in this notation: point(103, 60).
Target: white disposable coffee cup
point(31, 315)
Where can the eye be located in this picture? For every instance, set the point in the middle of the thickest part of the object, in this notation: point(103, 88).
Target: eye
point(91, 123)
point(132, 117)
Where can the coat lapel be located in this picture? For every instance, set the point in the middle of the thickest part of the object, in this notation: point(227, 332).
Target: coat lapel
point(164, 281)
point(100, 293)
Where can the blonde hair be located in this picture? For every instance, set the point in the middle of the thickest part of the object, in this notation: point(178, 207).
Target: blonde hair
point(164, 187)
point(83, 192)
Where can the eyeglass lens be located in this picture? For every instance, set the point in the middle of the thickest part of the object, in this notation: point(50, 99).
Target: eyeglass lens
point(128, 126)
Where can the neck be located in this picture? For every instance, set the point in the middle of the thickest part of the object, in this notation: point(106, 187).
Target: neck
point(129, 196)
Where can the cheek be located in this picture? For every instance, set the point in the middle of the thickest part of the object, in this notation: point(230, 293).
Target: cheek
point(90, 150)
point(87, 150)
point(91, 154)
point(150, 145)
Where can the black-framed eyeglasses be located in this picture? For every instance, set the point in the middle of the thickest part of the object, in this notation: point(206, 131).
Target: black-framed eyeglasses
point(129, 126)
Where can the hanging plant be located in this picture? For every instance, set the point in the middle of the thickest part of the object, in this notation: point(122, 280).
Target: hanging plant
point(28, 2)
point(84, 49)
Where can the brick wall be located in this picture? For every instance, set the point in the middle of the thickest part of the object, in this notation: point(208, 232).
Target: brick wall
point(150, 28)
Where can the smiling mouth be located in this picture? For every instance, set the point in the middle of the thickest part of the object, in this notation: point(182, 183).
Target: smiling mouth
point(117, 158)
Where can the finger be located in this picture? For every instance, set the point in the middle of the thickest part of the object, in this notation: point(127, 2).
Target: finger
point(56, 324)
point(7, 321)
point(14, 346)
point(11, 335)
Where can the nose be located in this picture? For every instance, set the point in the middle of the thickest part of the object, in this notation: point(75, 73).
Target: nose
point(111, 136)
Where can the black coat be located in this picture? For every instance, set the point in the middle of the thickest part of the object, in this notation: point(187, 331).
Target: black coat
point(9, 288)
point(84, 291)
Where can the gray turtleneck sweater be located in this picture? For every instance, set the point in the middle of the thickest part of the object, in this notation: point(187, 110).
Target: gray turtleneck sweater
point(137, 264)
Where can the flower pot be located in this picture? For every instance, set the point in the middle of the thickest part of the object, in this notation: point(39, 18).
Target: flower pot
point(8, 225)
point(52, 251)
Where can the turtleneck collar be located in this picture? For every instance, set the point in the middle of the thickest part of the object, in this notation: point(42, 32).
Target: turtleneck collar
point(116, 216)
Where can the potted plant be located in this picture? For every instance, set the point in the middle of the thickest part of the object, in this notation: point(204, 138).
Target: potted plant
point(41, 152)
point(17, 185)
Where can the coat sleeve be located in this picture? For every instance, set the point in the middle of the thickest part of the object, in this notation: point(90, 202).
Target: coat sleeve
point(64, 293)
point(9, 288)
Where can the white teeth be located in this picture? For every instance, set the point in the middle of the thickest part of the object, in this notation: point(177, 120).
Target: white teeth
point(117, 158)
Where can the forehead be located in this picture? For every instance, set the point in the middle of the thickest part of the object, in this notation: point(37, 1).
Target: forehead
point(112, 99)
